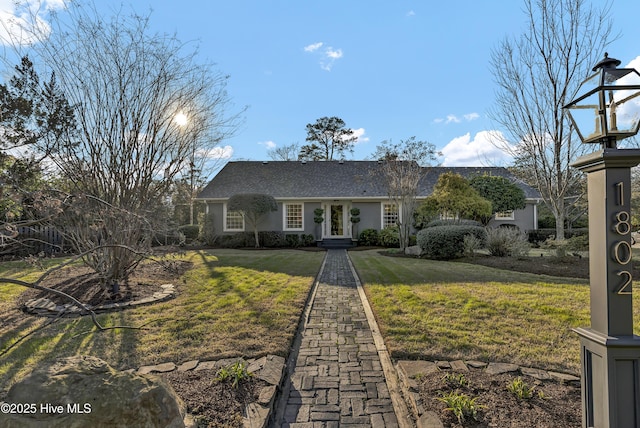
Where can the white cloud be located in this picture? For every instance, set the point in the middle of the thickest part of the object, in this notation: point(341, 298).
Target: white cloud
point(268, 144)
point(634, 63)
point(21, 23)
point(313, 47)
point(333, 54)
point(481, 151)
point(220, 152)
point(411, 13)
point(452, 118)
point(327, 56)
point(359, 133)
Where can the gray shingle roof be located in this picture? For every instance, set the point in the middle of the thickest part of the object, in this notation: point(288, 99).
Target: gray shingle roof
point(325, 179)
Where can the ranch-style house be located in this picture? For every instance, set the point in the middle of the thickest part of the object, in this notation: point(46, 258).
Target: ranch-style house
point(301, 187)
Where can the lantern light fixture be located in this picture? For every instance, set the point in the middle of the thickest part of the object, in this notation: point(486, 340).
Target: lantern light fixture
point(606, 108)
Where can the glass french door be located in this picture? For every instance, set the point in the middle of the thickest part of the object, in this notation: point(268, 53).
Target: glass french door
point(335, 221)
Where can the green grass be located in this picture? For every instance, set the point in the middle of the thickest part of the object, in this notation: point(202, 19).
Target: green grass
point(445, 310)
point(231, 303)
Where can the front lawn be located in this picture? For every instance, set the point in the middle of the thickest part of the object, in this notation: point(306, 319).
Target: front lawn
point(450, 310)
point(230, 303)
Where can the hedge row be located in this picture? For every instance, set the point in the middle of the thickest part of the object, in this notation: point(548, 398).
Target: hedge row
point(538, 236)
point(447, 242)
point(388, 237)
point(267, 239)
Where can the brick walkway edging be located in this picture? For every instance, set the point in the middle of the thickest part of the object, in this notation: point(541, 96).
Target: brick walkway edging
point(335, 368)
point(390, 374)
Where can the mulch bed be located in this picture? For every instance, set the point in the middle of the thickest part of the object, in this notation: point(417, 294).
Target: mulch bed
point(211, 402)
point(552, 404)
point(80, 282)
point(566, 267)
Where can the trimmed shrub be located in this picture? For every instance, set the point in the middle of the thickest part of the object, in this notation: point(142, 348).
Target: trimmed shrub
point(272, 239)
point(578, 243)
point(539, 236)
point(236, 240)
point(462, 222)
point(503, 241)
point(293, 240)
point(389, 237)
point(307, 240)
point(447, 242)
point(368, 238)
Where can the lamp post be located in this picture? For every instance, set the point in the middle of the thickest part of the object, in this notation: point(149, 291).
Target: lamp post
point(605, 111)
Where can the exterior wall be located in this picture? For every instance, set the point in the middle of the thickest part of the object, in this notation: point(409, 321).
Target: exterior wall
point(369, 215)
point(525, 219)
point(215, 210)
point(273, 221)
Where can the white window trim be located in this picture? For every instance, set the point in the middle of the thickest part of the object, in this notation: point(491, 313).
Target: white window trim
point(382, 204)
point(500, 217)
point(284, 217)
point(224, 221)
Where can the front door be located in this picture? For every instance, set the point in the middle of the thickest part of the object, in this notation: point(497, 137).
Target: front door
point(335, 221)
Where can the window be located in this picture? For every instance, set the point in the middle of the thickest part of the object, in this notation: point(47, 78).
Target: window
point(505, 215)
point(233, 220)
point(293, 216)
point(389, 214)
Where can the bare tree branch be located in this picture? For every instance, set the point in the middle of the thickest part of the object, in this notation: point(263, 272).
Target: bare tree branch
point(536, 75)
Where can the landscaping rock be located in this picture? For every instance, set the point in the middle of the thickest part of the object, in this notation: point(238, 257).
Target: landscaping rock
point(158, 368)
point(429, 420)
point(414, 250)
point(476, 364)
point(86, 391)
point(499, 368)
point(459, 366)
point(189, 365)
point(563, 377)
point(271, 370)
point(535, 373)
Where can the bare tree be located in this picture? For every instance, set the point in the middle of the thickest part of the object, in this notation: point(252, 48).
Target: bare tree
point(143, 105)
point(284, 153)
point(536, 75)
point(402, 166)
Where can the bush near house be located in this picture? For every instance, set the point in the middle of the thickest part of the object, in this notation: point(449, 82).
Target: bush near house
point(368, 238)
point(447, 242)
point(461, 222)
point(507, 242)
point(538, 236)
point(268, 239)
point(389, 237)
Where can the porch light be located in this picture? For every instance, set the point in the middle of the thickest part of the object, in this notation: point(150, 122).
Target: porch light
point(606, 108)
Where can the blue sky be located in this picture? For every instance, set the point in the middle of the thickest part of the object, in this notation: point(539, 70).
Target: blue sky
point(389, 69)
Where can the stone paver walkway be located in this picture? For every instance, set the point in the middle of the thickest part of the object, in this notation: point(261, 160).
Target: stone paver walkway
point(338, 380)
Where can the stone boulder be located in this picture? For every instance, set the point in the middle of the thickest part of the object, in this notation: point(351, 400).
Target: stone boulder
point(85, 391)
point(413, 250)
